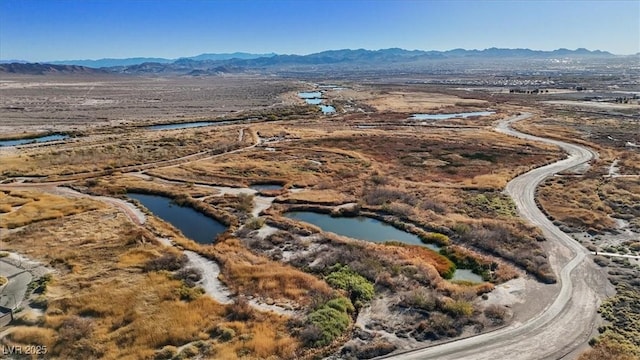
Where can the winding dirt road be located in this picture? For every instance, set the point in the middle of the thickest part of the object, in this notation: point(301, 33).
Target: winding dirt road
point(568, 320)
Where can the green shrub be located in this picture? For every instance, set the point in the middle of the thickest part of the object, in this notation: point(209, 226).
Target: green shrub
point(341, 304)
point(223, 333)
point(437, 238)
point(458, 308)
point(342, 277)
point(187, 293)
point(254, 223)
point(327, 322)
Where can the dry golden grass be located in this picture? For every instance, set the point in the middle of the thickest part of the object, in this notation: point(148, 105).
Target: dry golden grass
point(587, 203)
point(125, 313)
point(327, 196)
point(251, 274)
point(288, 164)
point(40, 206)
point(131, 148)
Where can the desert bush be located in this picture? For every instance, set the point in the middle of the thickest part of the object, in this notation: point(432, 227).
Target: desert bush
point(245, 203)
point(428, 204)
point(168, 262)
point(359, 288)
point(190, 276)
point(601, 260)
point(438, 325)
point(188, 293)
point(255, 223)
point(378, 347)
point(398, 209)
point(167, 353)
point(383, 195)
point(240, 310)
point(226, 334)
point(495, 313)
point(458, 308)
point(419, 298)
point(187, 352)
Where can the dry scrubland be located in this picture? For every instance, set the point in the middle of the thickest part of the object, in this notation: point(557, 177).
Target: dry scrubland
point(31, 103)
point(591, 202)
point(132, 297)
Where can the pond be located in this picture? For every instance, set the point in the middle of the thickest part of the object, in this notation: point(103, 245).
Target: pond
point(327, 109)
point(369, 229)
point(54, 137)
point(309, 94)
point(466, 275)
point(260, 187)
point(313, 101)
point(360, 227)
point(193, 224)
point(174, 126)
point(450, 116)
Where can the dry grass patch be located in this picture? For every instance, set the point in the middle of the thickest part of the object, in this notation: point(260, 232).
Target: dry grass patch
point(101, 304)
point(327, 196)
point(477, 158)
point(586, 203)
point(41, 206)
point(287, 164)
point(253, 274)
point(124, 149)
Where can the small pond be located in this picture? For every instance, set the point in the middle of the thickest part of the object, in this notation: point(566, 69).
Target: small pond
point(449, 116)
point(313, 101)
point(309, 94)
point(260, 187)
point(368, 229)
point(327, 109)
point(175, 126)
point(360, 227)
point(54, 137)
point(466, 275)
point(193, 224)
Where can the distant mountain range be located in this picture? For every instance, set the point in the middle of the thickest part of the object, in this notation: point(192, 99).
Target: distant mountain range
point(42, 69)
point(207, 64)
point(110, 62)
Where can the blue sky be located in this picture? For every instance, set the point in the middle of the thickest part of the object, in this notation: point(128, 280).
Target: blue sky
point(91, 29)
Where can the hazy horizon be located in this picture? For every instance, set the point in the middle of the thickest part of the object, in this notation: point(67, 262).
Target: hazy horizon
point(37, 31)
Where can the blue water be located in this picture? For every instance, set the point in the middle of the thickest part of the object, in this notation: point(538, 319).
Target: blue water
point(40, 139)
point(360, 227)
point(368, 229)
point(310, 94)
point(327, 109)
point(313, 101)
point(466, 275)
point(193, 224)
point(266, 187)
point(190, 125)
point(450, 116)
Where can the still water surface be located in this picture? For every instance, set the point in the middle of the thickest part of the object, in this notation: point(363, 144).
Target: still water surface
point(193, 224)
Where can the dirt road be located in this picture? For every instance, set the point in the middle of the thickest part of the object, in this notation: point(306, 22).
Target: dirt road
point(568, 320)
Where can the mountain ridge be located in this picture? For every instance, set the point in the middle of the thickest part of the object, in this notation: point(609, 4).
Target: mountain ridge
point(211, 63)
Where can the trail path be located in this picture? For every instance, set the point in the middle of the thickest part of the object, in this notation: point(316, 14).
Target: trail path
point(569, 318)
